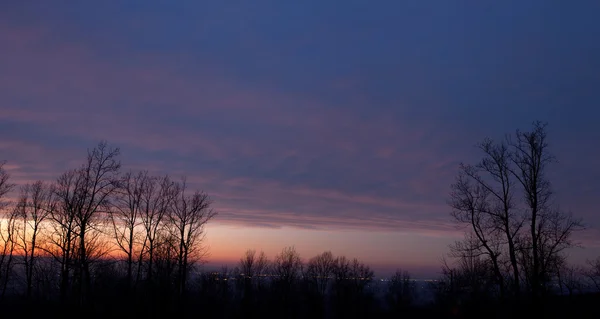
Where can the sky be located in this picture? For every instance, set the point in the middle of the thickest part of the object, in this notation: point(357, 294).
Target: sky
point(327, 125)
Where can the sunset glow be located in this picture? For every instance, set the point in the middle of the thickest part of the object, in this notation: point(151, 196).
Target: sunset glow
point(323, 127)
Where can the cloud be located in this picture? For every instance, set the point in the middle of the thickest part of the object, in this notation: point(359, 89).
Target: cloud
point(293, 159)
point(311, 134)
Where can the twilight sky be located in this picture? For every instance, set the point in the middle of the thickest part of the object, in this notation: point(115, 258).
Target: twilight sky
point(328, 125)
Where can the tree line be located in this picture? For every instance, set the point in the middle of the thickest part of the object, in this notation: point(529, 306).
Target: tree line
point(98, 237)
point(59, 241)
point(91, 212)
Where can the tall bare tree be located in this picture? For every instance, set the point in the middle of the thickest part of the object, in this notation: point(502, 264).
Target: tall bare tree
point(5, 186)
point(35, 205)
point(483, 197)
point(157, 196)
point(531, 158)
point(494, 186)
point(125, 216)
point(252, 269)
point(84, 193)
point(549, 229)
point(62, 239)
point(287, 269)
point(471, 205)
point(98, 180)
point(188, 216)
point(7, 230)
point(319, 270)
point(8, 240)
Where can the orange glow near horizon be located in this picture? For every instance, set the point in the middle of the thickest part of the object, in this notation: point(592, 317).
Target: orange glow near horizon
point(227, 244)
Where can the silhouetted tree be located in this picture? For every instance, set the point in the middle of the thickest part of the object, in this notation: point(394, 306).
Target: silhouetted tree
point(286, 269)
point(351, 278)
point(401, 290)
point(592, 272)
point(319, 270)
point(8, 240)
point(60, 243)
point(7, 230)
point(158, 193)
point(125, 216)
point(165, 260)
point(83, 193)
point(571, 279)
point(250, 280)
point(361, 275)
point(5, 186)
point(473, 276)
point(341, 274)
point(35, 205)
point(496, 220)
point(483, 197)
point(45, 278)
point(215, 293)
point(188, 216)
point(252, 269)
point(550, 230)
point(471, 205)
point(98, 179)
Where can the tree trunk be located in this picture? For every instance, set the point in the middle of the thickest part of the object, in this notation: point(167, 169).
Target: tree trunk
point(535, 280)
point(83, 271)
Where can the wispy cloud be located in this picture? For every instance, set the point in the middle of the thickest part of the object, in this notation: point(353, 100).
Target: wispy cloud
point(313, 124)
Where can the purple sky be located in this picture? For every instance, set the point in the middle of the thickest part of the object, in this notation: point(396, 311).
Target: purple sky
point(325, 126)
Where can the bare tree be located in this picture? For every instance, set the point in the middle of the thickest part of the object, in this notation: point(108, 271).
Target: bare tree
point(531, 159)
point(248, 264)
point(483, 197)
point(592, 272)
point(188, 216)
point(474, 272)
point(99, 179)
point(165, 260)
point(471, 206)
point(351, 278)
point(319, 270)
point(287, 269)
point(5, 186)
point(252, 269)
point(555, 231)
point(493, 173)
point(157, 197)
point(8, 240)
point(571, 279)
point(401, 290)
point(361, 275)
point(34, 207)
point(261, 269)
point(246, 272)
point(341, 273)
point(61, 241)
point(125, 216)
point(84, 194)
point(549, 229)
point(8, 231)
